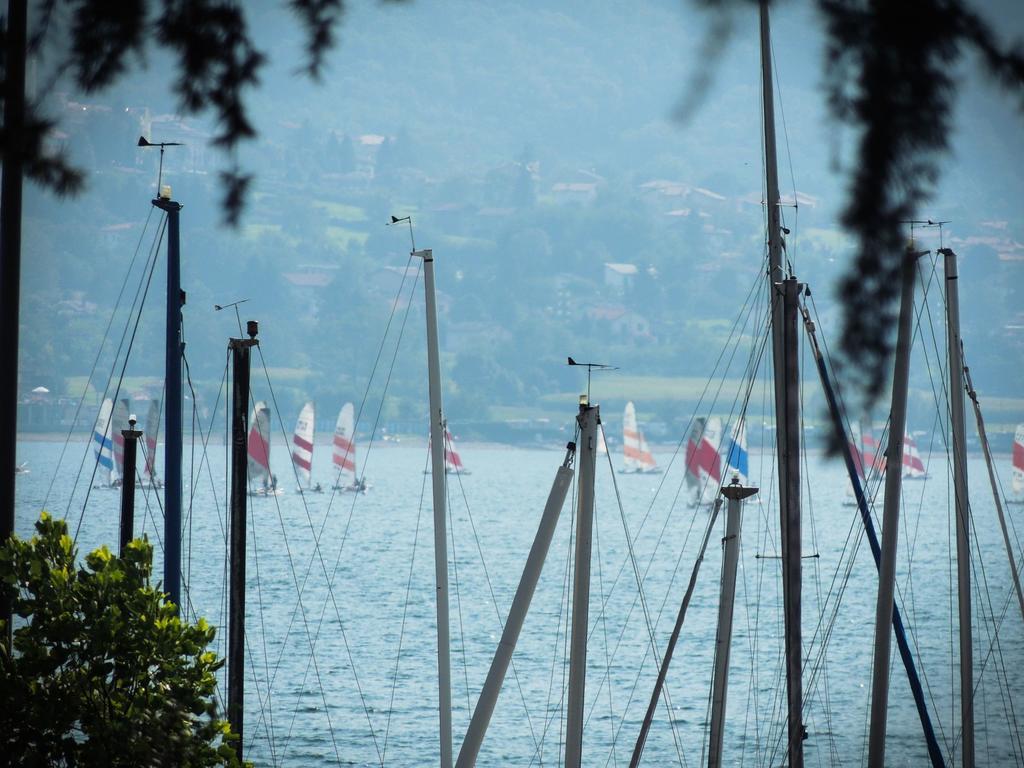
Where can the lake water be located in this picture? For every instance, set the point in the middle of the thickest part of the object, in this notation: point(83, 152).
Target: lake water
point(369, 589)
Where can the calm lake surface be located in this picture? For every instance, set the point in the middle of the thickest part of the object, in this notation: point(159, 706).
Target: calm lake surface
point(346, 675)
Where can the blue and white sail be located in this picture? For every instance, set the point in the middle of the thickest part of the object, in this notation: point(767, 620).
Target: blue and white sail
point(102, 444)
point(738, 460)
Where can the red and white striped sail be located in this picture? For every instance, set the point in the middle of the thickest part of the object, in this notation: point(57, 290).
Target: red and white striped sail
point(637, 455)
point(302, 445)
point(259, 447)
point(345, 446)
point(873, 458)
point(120, 422)
point(150, 435)
point(703, 462)
point(913, 467)
point(1018, 461)
point(452, 460)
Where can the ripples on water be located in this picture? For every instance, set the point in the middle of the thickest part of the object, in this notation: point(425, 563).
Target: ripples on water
point(305, 709)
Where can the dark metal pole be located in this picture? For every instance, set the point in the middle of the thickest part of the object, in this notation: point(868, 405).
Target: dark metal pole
point(10, 266)
point(934, 753)
point(240, 349)
point(789, 511)
point(131, 440)
point(172, 366)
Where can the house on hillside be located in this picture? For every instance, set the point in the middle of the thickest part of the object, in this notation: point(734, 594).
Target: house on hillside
point(623, 323)
point(620, 276)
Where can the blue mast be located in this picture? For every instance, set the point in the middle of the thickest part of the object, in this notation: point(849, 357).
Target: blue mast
point(172, 454)
point(934, 753)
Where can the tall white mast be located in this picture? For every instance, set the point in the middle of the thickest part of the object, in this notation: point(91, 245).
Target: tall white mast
point(735, 493)
point(517, 613)
point(891, 517)
point(589, 420)
point(437, 426)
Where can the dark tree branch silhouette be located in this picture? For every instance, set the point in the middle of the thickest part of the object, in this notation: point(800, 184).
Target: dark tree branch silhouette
point(890, 75)
point(217, 64)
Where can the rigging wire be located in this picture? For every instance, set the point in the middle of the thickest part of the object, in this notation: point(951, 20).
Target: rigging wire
point(135, 328)
point(317, 535)
point(96, 361)
point(405, 610)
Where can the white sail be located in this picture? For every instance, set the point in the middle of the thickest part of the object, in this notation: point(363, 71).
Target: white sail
point(602, 444)
point(120, 421)
point(1018, 461)
point(345, 447)
point(302, 445)
point(260, 477)
point(102, 444)
point(637, 456)
point(150, 436)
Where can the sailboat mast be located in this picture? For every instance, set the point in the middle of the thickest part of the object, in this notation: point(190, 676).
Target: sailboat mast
point(735, 493)
point(240, 355)
point(784, 358)
point(517, 613)
point(963, 507)
point(437, 446)
point(172, 366)
point(15, 47)
point(891, 517)
point(589, 420)
point(127, 533)
point(983, 438)
point(852, 463)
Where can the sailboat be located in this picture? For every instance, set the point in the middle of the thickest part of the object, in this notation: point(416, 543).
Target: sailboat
point(120, 422)
point(872, 457)
point(149, 476)
point(737, 460)
point(1017, 476)
point(452, 461)
point(638, 458)
point(913, 467)
point(703, 462)
point(103, 447)
point(345, 452)
point(261, 480)
point(302, 449)
point(602, 444)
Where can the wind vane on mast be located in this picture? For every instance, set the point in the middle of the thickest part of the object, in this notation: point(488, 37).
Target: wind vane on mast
point(592, 367)
point(397, 220)
point(144, 142)
point(219, 307)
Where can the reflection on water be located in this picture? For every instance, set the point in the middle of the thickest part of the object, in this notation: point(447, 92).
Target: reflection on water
point(375, 551)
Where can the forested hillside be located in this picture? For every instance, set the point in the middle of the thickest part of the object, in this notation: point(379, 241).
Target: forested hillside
point(541, 154)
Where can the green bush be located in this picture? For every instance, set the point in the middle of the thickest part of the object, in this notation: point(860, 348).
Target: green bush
point(102, 672)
